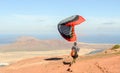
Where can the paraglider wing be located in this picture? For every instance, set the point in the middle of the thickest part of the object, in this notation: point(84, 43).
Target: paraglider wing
point(66, 27)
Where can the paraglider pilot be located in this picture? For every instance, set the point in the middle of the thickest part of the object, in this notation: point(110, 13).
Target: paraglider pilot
point(74, 55)
point(74, 52)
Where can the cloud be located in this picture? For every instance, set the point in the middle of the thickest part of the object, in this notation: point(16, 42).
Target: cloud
point(28, 23)
point(103, 20)
point(31, 18)
point(48, 24)
point(109, 23)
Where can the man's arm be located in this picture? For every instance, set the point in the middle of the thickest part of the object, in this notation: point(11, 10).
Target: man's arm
point(78, 49)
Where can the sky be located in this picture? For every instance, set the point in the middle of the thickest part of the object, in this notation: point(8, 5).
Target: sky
point(42, 16)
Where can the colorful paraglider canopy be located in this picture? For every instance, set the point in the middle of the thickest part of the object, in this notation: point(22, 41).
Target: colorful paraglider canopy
point(66, 27)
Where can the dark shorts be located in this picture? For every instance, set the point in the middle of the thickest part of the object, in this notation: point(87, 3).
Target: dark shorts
point(74, 57)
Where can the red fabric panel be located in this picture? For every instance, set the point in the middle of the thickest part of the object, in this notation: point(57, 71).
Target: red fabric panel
point(80, 20)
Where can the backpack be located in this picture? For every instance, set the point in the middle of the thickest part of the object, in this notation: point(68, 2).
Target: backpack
point(74, 51)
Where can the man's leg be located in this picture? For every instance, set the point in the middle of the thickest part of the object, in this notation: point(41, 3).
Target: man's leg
point(73, 61)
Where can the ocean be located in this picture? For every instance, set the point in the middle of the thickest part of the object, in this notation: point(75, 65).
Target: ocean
point(107, 39)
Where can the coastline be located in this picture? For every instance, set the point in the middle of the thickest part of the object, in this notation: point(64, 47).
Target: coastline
point(10, 57)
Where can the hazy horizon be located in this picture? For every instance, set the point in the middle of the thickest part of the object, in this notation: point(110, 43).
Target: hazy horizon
point(93, 38)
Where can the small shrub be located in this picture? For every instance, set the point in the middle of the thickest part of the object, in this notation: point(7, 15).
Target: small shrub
point(115, 47)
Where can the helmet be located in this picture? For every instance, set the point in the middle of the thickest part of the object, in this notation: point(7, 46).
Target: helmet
point(75, 43)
